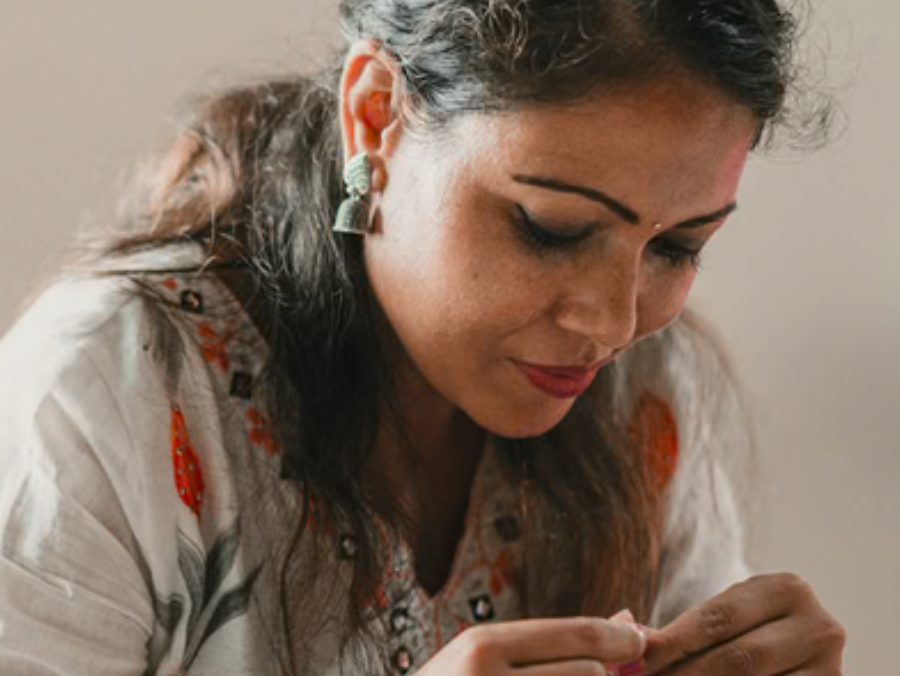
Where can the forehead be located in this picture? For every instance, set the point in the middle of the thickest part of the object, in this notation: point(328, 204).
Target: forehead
point(661, 143)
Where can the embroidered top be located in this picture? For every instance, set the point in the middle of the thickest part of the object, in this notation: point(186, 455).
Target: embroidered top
point(136, 533)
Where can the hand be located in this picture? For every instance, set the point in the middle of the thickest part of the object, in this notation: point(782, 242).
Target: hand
point(579, 646)
point(767, 626)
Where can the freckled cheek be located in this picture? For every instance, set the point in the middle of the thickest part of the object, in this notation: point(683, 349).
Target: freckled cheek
point(661, 305)
point(493, 314)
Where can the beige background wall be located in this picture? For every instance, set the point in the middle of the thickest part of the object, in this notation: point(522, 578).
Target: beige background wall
point(804, 284)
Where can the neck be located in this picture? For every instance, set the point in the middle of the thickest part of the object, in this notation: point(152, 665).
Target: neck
point(428, 467)
point(429, 462)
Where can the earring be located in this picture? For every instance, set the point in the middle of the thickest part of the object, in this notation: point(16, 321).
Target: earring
point(353, 214)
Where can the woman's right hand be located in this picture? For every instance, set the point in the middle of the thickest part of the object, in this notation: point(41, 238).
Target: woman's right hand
point(579, 646)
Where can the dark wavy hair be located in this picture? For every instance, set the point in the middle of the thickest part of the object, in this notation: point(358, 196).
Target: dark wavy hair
point(255, 178)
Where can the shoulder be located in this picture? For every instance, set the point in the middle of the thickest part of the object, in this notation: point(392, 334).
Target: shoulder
point(131, 461)
point(125, 323)
point(130, 365)
point(56, 348)
point(682, 378)
point(84, 334)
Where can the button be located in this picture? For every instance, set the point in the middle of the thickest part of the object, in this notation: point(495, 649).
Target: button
point(482, 608)
point(348, 547)
point(402, 660)
point(400, 620)
point(191, 301)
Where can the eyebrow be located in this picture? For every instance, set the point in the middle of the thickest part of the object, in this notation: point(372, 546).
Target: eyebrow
point(621, 210)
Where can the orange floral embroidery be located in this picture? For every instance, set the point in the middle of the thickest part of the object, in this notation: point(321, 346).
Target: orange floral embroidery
point(379, 602)
point(213, 346)
point(654, 427)
point(259, 431)
point(501, 572)
point(188, 475)
point(317, 518)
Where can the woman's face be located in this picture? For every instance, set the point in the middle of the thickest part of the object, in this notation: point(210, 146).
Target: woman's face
point(518, 254)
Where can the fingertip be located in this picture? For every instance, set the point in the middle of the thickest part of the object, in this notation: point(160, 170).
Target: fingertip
point(635, 653)
point(643, 635)
point(624, 615)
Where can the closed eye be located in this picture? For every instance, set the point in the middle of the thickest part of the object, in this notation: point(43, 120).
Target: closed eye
point(677, 255)
point(543, 238)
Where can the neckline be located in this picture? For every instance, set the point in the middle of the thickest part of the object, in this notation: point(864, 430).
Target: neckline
point(472, 523)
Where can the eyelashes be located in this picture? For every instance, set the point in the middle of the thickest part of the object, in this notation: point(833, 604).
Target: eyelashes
point(544, 240)
point(677, 255)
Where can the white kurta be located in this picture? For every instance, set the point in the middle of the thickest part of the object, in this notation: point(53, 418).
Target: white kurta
point(136, 527)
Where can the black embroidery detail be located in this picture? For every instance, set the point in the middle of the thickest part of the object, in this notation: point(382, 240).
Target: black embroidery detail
point(241, 385)
point(482, 608)
point(507, 528)
point(400, 620)
point(348, 548)
point(402, 660)
point(192, 302)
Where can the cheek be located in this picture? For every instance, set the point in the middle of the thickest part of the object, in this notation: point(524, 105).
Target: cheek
point(662, 301)
point(433, 275)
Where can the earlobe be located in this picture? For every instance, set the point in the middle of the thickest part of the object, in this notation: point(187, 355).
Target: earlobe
point(368, 100)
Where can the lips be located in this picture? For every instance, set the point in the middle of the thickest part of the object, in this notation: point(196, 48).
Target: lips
point(562, 382)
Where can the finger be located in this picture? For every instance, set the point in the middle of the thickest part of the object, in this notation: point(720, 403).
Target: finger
point(623, 615)
point(567, 668)
point(773, 649)
point(740, 609)
point(529, 642)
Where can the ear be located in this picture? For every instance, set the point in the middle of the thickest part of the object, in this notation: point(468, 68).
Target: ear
point(370, 94)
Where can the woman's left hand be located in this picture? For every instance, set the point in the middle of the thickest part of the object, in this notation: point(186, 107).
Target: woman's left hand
point(771, 625)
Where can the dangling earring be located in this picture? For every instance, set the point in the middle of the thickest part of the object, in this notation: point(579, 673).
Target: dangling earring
point(353, 214)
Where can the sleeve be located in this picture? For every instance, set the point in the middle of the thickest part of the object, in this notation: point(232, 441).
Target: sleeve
point(702, 549)
point(73, 598)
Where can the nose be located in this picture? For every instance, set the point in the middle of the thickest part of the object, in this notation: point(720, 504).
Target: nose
point(603, 305)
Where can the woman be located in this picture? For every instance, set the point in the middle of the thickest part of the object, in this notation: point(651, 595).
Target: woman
point(294, 424)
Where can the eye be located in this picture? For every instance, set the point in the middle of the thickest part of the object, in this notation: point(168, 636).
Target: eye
point(542, 238)
point(677, 255)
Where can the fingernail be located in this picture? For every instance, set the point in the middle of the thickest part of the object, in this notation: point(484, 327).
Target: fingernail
point(643, 633)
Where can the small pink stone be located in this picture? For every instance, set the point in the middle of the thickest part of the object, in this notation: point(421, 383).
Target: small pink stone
point(633, 669)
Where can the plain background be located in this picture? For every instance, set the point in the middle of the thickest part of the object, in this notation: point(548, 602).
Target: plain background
point(804, 283)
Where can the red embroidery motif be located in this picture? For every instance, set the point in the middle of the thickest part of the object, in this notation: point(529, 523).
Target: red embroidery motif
point(212, 346)
point(170, 284)
point(654, 427)
point(259, 431)
point(188, 476)
point(379, 602)
point(317, 517)
point(501, 572)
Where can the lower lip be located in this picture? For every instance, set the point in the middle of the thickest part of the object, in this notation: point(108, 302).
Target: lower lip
point(557, 385)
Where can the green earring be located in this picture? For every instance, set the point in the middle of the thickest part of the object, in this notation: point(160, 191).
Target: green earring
point(353, 214)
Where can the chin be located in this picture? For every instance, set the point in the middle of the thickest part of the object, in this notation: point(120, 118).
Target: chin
point(524, 423)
